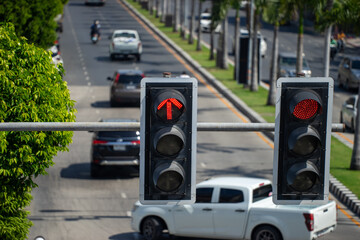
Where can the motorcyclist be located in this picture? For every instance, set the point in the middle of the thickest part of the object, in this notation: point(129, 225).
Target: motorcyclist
point(333, 48)
point(95, 28)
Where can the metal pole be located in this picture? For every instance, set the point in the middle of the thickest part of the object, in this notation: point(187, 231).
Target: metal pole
point(135, 126)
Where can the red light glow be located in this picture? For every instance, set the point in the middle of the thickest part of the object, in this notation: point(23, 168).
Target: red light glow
point(95, 142)
point(169, 102)
point(306, 109)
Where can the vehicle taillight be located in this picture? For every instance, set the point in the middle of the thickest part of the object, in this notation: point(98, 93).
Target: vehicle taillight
point(309, 221)
point(95, 142)
point(142, 75)
point(117, 78)
point(135, 142)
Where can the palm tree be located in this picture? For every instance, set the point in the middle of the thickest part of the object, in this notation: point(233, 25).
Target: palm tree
point(198, 45)
point(219, 13)
point(176, 16)
point(273, 15)
point(192, 23)
point(298, 7)
point(212, 35)
point(236, 5)
point(182, 19)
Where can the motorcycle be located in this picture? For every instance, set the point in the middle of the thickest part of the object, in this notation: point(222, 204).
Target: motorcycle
point(333, 50)
point(95, 38)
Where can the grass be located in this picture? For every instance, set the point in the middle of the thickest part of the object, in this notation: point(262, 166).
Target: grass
point(340, 153)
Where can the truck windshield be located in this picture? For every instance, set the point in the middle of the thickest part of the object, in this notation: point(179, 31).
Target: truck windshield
point(262, 193)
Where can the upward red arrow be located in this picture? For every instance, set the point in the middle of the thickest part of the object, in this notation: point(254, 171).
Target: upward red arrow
point(169, 102)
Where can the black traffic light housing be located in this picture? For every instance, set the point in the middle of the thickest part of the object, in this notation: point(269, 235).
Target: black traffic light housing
point(168, 140)
point(302, 140)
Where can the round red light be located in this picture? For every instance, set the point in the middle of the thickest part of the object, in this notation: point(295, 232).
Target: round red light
point(306, 109)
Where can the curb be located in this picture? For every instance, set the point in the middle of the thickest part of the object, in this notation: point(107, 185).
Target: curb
point(343, 194)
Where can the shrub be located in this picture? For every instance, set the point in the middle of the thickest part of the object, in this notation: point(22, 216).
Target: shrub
point(31, 90)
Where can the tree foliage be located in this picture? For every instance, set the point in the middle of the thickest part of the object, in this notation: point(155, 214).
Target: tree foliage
point(33, 19)
point(31, 90)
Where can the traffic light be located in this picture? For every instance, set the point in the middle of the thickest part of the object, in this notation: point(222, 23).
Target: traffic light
point(168, 125)
point(302, 140)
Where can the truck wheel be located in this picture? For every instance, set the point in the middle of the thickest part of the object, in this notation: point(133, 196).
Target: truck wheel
point(152, 228)
point(266, 233)
point(341, 118)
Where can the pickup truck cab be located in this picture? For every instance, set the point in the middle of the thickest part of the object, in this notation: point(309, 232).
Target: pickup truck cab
point(235, 208)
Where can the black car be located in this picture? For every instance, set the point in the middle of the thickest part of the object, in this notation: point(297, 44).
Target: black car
point(125, 87)
point(114, 148)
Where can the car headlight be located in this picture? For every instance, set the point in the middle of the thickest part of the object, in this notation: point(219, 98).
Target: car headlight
point(307, 73)
point(284, 73)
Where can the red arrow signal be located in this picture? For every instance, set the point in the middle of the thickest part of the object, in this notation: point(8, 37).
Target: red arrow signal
point(169, 103)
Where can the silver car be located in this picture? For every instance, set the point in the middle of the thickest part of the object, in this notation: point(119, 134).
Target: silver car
point(287, 65)
point(125, 87)
point(125, 43)
point(348, 112)
point(349, 73)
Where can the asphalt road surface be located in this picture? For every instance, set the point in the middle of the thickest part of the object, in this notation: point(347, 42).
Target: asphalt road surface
point(69, 204)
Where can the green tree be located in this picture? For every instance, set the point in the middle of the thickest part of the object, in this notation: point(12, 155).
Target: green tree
point(219, 14)
point(31, 90)
point(33, 19)
point(273, 15)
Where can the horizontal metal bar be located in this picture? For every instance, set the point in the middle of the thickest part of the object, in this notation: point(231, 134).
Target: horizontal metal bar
point(135, 126)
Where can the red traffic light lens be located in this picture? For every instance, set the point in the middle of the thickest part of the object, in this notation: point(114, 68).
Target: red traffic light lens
point(306, 109)
point(170, 109)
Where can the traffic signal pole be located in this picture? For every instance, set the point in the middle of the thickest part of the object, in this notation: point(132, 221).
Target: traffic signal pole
point(135, 126)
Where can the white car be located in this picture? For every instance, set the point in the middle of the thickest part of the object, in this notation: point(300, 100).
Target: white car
point(263, 44)
point(125, 43)
point(235, 208)
point(287, 65)
point(205, 23)
point(348, 112)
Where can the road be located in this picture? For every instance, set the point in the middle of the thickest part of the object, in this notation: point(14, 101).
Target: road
point(68, 204)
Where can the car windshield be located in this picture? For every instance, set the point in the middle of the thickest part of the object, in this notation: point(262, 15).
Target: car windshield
point(125, 35)
point(130, 79)
point(206, 17)
point(291, 61)
point(110, 134)
point(356, 65)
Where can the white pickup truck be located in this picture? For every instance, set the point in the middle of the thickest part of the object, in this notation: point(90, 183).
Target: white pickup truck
point(235, 208)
